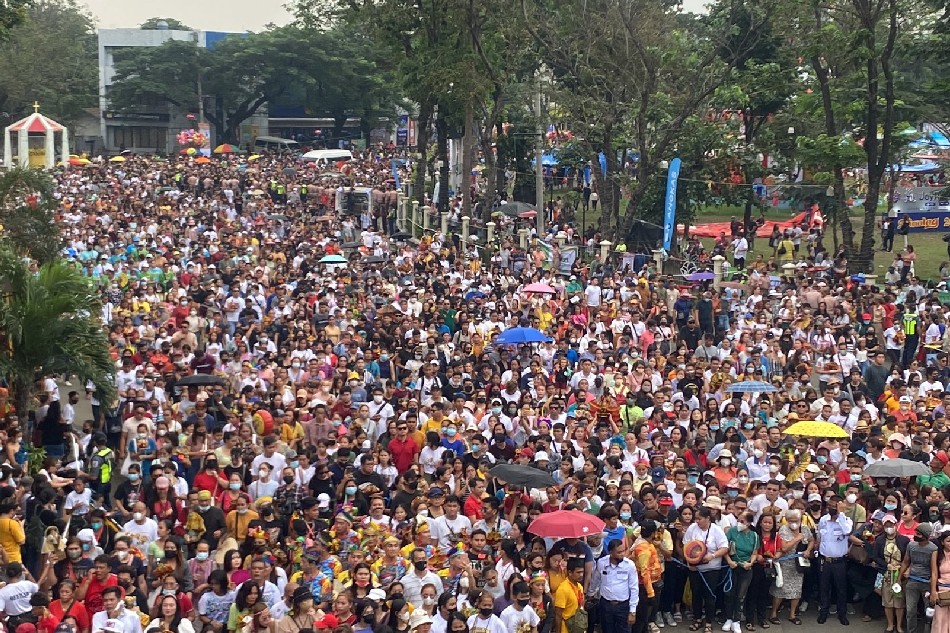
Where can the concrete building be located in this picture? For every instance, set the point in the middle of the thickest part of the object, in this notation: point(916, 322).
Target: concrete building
point(149, 127)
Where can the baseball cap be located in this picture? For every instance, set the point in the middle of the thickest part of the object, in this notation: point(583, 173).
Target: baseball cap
point(204, 495)
point(323, 500)
point(814, 497)
point(658, 474)
point(665, 499)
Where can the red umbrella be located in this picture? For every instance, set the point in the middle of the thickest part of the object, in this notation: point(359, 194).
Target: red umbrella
point(566, 524)
point(527, 215)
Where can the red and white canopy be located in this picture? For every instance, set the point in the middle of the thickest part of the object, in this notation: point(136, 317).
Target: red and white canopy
point(36, 123)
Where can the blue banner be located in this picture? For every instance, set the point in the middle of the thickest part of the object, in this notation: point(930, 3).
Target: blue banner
point(587, 175)
point(395, 167)
point(926, 221)
point(669, 211)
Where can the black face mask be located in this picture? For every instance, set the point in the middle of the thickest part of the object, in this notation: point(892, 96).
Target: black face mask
point(368, 618)
point(499, 437)
point(289, 479)
point(486, 613)
point(815, 507)
point(522, 603)
point(412, 484)
point(420, 565)
point(169, 554)
point(398, 595)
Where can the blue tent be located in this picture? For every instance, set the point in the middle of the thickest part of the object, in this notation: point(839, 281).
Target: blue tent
point(922, 168)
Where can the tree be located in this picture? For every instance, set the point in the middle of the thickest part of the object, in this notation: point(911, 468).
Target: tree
point(63, 83)
point(12, 13)
point(49, 324)
point(27, 213)
point(154, 24)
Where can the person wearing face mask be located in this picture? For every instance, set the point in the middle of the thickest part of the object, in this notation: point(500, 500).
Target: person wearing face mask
point(851, 507)
point(743, 544)
point(519, 614)
point(795, 538)
point(724, 470)
point(919, 559)
point(213, 517)
point(888, 555)
point(419, 576)
point(263, 486)
point(238, 520)
point(485, 619)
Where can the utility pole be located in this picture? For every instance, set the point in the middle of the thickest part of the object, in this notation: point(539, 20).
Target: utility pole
point(538, 153)
point(201, 99)
point(468, 142)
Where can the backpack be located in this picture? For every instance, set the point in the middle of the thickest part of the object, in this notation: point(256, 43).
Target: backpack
point(782, 250)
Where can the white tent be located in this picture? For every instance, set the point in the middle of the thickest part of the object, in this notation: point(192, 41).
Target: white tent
point(36, 123)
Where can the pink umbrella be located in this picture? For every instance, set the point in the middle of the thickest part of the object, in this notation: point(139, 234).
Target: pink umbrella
point(528, 214)
point(566, 524)
point(539, 288)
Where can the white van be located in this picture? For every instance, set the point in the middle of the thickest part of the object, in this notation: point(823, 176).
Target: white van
point(328, 155)
point(275, 144)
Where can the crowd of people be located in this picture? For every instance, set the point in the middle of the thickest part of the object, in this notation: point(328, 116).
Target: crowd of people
point(300, 446)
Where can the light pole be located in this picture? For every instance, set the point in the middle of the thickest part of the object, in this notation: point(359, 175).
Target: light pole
point(538, 154)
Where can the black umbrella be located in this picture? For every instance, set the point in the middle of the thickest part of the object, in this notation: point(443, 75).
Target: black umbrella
point(512, 209)
point(202, 380)
point(374, 259)
point(526, 476)
point(401, 237)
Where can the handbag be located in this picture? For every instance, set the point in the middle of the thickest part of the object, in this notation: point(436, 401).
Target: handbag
point(858, 554)
point(943, 598)
point(577, 623)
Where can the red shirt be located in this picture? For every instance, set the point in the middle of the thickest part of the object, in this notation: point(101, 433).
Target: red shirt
point(93, 599)
point(473, 508)
point(204, 481)
point(76, 610)
point(403, 452)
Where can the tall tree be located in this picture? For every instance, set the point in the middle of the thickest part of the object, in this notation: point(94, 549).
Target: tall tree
point(12, 12)
point(29, 71)
point(27, 213)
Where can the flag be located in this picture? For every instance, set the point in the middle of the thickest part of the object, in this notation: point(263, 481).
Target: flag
point(547, 250)
point(669, 215)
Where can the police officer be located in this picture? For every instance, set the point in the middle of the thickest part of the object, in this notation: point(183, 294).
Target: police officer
point(615, 579)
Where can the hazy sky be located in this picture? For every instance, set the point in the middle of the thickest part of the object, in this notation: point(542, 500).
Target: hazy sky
point(206, 15)
point(211, 15)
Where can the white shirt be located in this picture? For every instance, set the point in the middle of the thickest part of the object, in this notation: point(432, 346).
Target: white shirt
point(513, 619)
point(447, 531)
point(833, 535)
point(714, 538)
point(15, 597)
point(616, 582)
point(142, 534)
point(130, 622)
point(761, 502)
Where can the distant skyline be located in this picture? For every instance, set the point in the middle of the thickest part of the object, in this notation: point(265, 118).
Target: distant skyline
point(212, 15)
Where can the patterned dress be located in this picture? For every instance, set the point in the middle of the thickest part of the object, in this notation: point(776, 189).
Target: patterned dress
point(791, 578)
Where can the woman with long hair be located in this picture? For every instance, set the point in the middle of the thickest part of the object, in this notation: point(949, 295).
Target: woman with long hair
point(770, 546)
point(214, 604)
point(248, 595)
point(509, 561)
point(170, 618)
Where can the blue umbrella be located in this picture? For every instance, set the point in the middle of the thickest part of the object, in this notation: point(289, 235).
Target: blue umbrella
point(474, 294)
point(519, 335)
point(701, 277)
point(333, 259)
point(751, 386)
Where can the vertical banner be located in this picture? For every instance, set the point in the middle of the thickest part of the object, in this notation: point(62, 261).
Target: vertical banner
point(395, 168)
point(669, 211)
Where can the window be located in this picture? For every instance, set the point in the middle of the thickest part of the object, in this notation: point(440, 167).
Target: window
point(146, 137)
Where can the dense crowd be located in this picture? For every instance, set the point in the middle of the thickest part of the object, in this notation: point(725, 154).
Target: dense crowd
point(303, 446)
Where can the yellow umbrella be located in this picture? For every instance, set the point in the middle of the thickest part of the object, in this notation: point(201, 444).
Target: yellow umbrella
point(253, 157)
point(816, 428)
point(191, 151)
point(117, 159)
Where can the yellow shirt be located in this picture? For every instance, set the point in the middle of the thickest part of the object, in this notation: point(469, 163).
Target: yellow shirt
point(555, 578)
point(568, 599)
point(291, 432)
point(12, 537)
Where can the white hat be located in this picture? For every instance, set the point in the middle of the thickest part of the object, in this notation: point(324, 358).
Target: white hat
point(541, 456)
point(419, 618)
point(323, 500)
point(813, 468)
point(725, 453)
point(897, 437)
point(906, 400)
point(714, 503)
point(814, 497)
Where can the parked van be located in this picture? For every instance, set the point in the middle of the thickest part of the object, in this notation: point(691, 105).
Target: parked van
point(275, 144)
point(330, 155)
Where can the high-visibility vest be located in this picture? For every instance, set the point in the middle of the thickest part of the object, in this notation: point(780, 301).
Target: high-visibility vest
point(910, 324)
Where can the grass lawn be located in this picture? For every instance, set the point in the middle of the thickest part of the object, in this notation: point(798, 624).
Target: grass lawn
point(930, 247)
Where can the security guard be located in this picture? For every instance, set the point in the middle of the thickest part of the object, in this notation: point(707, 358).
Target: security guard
point(615, 579)
point(834, 528)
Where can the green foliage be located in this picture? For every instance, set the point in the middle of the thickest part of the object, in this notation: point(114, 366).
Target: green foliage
point(27, 213)
point(49, 322)
point(335, 70)
point(12, 13)
point(52, 47)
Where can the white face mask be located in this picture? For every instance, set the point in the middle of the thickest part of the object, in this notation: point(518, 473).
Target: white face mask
point(773, 468)
point(890, 531)
point(726, 462)
point(793, 526)
point(851, 498)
